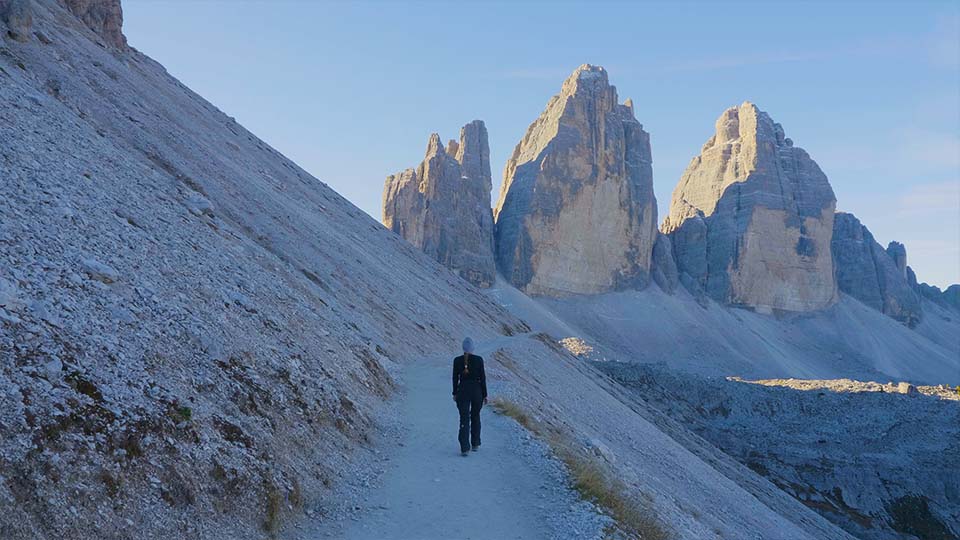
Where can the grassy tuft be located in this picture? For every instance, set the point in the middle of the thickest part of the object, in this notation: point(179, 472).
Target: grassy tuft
point(511, 409)
point(636, 520)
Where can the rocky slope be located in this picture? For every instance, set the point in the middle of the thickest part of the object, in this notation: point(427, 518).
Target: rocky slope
point(196, 336)
point(752, 217)
point(443, 206)
point(576, 213)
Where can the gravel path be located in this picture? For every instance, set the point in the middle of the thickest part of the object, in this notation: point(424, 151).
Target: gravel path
point(511, 488)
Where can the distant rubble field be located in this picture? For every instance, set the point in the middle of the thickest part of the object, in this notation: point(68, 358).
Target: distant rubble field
point(872, 460)
point(942, 391)
point(649, 471)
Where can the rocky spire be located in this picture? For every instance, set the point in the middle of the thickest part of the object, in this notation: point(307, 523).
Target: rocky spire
point(752, 217)
point(443, 206)
point(875, 276)
point(576, 213)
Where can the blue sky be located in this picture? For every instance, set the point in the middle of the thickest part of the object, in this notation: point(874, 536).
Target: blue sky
point(351, 91)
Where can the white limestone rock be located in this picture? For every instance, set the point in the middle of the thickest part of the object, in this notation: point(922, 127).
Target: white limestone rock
point(99, 271)
point(443, 206)
point(577, 213)
point(103, 17)
point(752, 217)
point(10, 296)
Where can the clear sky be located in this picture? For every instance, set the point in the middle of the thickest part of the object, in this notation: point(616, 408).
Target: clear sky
point(351, 91)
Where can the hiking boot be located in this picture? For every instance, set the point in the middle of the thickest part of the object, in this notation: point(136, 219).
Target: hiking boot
point(475, 447)
point(464, 453)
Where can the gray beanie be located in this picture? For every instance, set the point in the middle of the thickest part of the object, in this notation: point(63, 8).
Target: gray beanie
point(467, 345)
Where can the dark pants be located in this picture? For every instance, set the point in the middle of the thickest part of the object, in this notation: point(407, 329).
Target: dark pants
point(469, 403)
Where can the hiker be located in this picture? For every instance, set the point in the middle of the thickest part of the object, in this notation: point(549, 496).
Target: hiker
point(470, 394)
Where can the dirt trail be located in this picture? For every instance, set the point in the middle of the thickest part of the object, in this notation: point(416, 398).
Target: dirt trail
point(509, 489)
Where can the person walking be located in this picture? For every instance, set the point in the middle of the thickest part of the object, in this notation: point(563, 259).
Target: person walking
point(470, 394)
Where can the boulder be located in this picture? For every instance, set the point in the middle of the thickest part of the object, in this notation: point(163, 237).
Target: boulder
point(443, 206)
point(876, 276)
point(10, 296)
point(906, 388)
point(576, 212)
point(99, 271)
point(752, 216)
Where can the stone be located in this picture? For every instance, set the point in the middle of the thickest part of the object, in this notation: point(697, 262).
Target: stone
point(906, 388)
point(10, 296)
point(443, 206)
point(751, 218)
point(104, 17)
point(18, 16)
point(53, 368)
point(601, 450)
point(576, 212)
point(99, 271)
point(868, 272)
point(663, 266)
point(197, 205)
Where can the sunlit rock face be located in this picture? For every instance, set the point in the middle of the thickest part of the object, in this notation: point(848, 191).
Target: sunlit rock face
point(576, 212)
point(752, 217)
point(104, 17)
point(443, 206)
point(875, 276)
point(17, 18)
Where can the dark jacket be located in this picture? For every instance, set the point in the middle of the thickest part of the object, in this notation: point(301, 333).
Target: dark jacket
point(474, 378)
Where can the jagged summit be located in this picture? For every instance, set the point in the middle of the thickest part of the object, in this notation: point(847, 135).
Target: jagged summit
point(752, 216)
point(443, 206)
point(576, 212)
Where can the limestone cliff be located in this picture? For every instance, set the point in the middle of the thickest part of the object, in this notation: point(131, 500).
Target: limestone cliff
point(104, 17)
point(443, 206)
point(17, 16)
point(752, 217)
point(577, 213)
point(874, 275)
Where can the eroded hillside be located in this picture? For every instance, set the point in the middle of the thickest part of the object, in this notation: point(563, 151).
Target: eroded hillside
point(196, 334)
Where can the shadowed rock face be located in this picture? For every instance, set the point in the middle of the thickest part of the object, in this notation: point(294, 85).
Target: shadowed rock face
point(875, 276)
point(576, 213)
point(443, 206)
point(752, 217)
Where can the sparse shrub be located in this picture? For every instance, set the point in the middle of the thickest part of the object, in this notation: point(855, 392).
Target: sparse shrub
point(911, 515)
point(181, 414)
point(274, 507)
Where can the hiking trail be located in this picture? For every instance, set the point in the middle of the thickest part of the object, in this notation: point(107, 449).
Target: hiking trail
point(510, 489)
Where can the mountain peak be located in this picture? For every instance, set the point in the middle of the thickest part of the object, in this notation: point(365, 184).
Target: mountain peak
point(576, 212)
